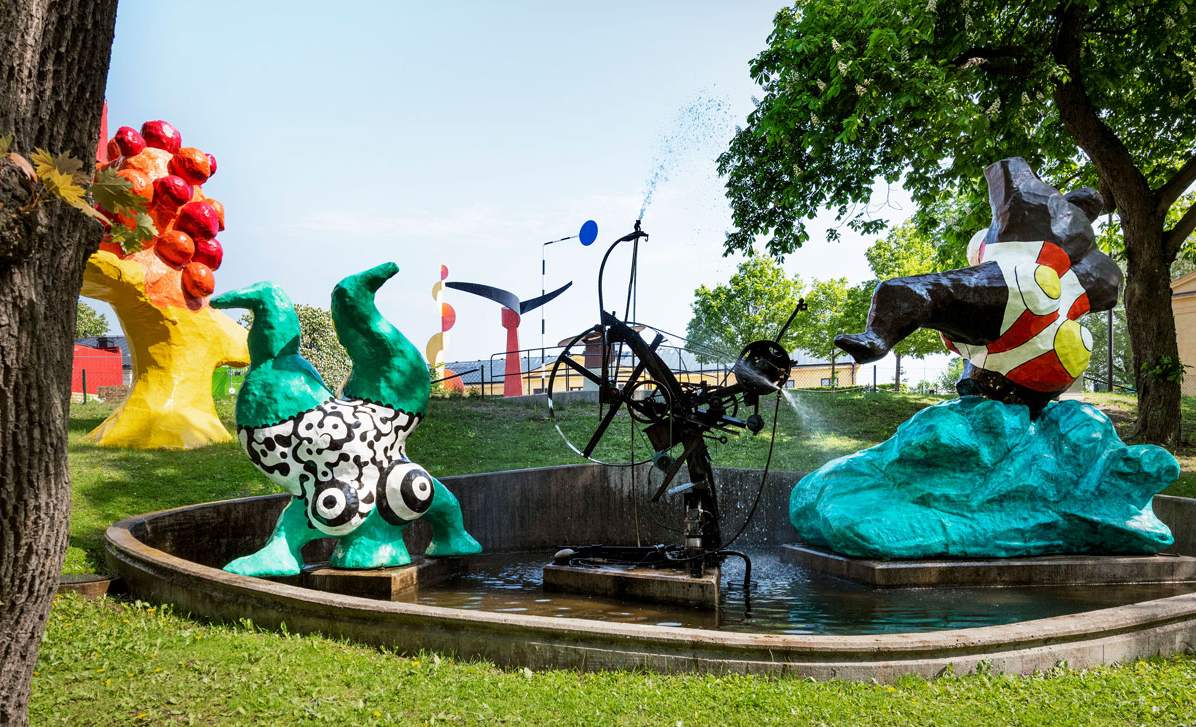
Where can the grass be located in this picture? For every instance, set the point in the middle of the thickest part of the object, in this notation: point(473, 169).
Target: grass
point(1123, 410)
point(112, 663)
point(109, 484)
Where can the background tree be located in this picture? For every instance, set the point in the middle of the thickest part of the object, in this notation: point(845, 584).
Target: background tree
point(906, 251)
point(834, 307)
point(752, 305)
point(1123, 355)
point(318, 343)
point(88, 322)
point(53, 68)
point(1099, 93)
point(950, 375)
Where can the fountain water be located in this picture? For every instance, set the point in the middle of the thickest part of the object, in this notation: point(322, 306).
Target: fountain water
point(698, 133)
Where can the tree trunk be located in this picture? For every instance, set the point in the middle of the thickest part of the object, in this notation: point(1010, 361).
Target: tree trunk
point(53, 67)
point(1147, 289)
point(897, 374)
point(1152, 328)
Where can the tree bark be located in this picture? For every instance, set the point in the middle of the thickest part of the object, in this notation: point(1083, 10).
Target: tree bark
point(1152, 328)
point(53, 67)
point(1148, 261)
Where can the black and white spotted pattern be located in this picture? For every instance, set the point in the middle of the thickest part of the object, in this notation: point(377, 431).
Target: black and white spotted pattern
point(333, 457)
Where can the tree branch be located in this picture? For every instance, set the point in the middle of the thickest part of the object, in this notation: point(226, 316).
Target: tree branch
point(1174, 238)
point(1012, 60)
point(1113, 161)
point(1177, 185)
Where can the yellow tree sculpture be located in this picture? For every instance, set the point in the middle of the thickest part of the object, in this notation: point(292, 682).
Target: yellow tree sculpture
point(160, 294)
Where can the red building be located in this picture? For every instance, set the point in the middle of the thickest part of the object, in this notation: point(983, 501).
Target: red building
point(103, 367)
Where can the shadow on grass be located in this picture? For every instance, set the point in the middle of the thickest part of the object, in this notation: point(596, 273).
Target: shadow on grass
point(109, 484)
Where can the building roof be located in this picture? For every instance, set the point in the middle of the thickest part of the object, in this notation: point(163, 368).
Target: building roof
point(109, 342)
point(474, 372)
point(1184, 285)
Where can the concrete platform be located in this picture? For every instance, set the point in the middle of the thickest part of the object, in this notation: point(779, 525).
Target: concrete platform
point(386, 584)
point(1047, 570)
point(636, 584)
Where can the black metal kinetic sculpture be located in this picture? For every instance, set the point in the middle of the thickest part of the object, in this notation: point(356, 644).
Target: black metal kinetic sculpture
point(672, 413)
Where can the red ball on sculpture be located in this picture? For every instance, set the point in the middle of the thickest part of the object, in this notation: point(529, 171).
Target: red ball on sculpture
point(191, 164)
point(142, 186)
point(211, 165)
point(128, 141)
point(199, 220)
point(209, 252)
point(161, 135)
point(198, 281)
point(171, 191)
point(175, 247)
point(219, 207)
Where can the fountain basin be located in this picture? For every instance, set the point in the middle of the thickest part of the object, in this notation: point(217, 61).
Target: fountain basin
point(175, 556)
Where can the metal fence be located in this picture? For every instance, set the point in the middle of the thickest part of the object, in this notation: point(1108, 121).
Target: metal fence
point(535, 367)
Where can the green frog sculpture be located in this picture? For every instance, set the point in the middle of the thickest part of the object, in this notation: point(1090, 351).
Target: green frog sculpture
point(343, 457)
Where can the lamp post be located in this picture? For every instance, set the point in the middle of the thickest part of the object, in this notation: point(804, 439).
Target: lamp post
point(587, 235)
point(543, 275)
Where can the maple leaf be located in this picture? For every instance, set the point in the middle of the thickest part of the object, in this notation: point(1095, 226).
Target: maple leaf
point(57, 174)
point(21, 163)
point(63, 165)
point(132, 239)
point(114, 194)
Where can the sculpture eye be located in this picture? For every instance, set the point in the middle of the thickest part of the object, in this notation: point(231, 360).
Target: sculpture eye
point(332, 506)
point(407, 493)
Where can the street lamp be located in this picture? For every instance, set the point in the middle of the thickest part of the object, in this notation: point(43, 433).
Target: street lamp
point(587, 235)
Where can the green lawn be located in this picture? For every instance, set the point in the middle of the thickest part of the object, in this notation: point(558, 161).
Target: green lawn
point(109, 662)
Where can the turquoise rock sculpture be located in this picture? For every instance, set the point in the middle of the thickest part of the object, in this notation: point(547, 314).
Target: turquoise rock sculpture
point(342, 457)
point(976, 478)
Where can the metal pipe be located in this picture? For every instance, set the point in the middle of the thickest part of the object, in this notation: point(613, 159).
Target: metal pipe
point(1110, 367)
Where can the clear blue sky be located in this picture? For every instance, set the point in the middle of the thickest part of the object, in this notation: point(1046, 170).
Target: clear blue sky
point(462, 134)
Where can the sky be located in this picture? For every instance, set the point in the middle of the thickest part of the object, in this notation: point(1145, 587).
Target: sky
point(464, 134)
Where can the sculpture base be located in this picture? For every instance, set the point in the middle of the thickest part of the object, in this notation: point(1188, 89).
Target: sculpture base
point(1045, 570)
point(637, 584)
point(384, 584)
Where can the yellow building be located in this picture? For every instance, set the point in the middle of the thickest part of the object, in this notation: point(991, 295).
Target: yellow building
point(1183, 306)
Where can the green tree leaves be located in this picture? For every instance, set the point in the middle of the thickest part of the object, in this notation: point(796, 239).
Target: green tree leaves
point(930, 93)
point(753, 305)
point(319, 345)
point(88, 322)
point(907, 251)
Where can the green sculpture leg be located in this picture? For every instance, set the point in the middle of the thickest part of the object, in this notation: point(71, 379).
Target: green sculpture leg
point(375, 544)
point(281, 555)
point(448, 529)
